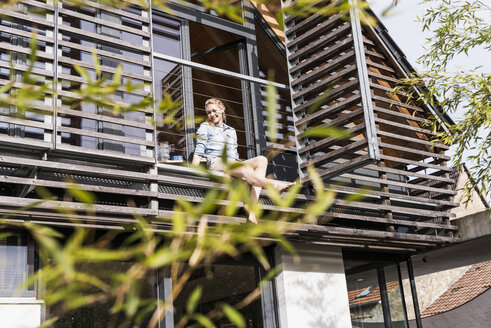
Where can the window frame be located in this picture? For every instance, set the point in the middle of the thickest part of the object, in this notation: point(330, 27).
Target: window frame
point(248, 76)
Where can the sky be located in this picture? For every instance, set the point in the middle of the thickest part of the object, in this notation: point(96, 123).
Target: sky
point(407, 32)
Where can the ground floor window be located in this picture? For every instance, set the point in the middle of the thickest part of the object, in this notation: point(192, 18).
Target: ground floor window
point(375, 294)
point(220, 283)
point(16, 264)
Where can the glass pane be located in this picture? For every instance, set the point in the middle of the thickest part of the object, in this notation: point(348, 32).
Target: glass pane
point(213, 47)
point(210, 85)
point(170, 121)
point(198, 5)
point(364, 300)
point(14, 268)
point(272, 64)
point(222, 283)
point(397, 308)
point(90, 124)
point(166, 36)
point(99, 314)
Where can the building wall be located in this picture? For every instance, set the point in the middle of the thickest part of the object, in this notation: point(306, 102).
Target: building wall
point(475, 205)
point(15, 313)
point(311, 289)
point(430, 287)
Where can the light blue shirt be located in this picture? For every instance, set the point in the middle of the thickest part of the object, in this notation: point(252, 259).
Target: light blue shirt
point(211, 140)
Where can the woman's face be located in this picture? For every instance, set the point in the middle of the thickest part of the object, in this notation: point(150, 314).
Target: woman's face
point(214, 114)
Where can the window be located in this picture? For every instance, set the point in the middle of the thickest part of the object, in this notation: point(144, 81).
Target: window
point(375, 295)
point(221, 283)
point(224, 282)
point(16, 265)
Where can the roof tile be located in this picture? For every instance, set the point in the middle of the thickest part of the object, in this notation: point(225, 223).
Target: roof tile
point(472, 284)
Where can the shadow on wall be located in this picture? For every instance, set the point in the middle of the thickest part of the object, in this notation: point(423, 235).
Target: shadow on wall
point(321, 298)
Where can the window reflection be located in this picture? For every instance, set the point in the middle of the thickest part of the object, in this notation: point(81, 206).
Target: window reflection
point(368, 302)
point(170, 117)
point(99, 314)
point(220, 283)
point(364, 300)
point(395, 294)
point(98, 126)
point(14, 267)
point(214, 47)
point(273, 65)
point(166, 36)
point(198, 5)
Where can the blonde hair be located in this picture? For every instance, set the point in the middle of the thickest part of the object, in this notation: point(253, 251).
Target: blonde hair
point(220, 104)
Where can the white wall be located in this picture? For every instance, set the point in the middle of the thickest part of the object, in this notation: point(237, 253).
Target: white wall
point(312, 292)
point(20, 313)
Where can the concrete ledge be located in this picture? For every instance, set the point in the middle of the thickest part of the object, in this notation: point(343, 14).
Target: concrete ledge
point(19, 300)
point(474, 225)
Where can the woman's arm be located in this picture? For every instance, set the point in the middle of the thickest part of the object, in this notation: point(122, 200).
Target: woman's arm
point(196, 159)
point(200, 149)
point(233, 146)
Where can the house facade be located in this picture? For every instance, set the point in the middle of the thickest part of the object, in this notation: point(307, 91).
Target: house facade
point(328, 70)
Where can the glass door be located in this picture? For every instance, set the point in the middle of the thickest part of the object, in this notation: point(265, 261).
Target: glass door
point(375, 295)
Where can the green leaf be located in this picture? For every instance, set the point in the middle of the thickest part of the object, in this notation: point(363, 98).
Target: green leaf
point(102, 255)
point(81, 195)
point(327, 131)
point(133, 299)
point(4, 235)
point(117, 75)
point(82, 72)
point(165, 256)
point(203, 320)
point(233, 315)
point(194, 299)
point(97, 64)
point(271, 109)
point(269, 275)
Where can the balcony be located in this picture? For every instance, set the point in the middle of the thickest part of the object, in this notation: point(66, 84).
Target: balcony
point(339, 74)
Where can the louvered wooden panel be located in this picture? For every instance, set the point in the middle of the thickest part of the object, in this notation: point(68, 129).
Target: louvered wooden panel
point(342, 74)
point(32, 125)
point(117, 37)
point(324, 54)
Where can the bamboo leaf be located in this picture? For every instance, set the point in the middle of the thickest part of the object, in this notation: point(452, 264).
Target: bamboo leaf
point(194, 299)
point(97, 64)
point(203, 320)
point(81, 195)
point(271, 109)
point(233, 315)
point(327, 131)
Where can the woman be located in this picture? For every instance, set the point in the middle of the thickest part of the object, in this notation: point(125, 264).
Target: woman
point(213, 136)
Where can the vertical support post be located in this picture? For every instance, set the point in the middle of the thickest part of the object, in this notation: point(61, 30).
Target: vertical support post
point(414, 294)
point(446, 175)
point(187, 88)
point(54, 133)
point(384, 297)
point(403, 299)
point(252, 64)
point(361, 65)
point(152, 74)
point(246, 101)
point(154, 188)
point(300, 115)
point(386, 200)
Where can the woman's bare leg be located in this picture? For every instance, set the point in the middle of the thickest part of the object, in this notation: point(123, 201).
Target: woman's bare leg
point(254, 172)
